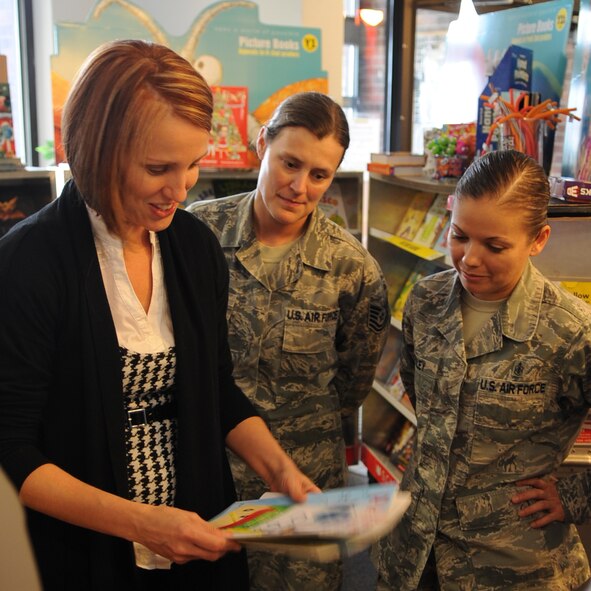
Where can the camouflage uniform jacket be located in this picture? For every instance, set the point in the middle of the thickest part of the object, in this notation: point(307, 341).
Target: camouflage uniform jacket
point(507, 408)
point(305, 342)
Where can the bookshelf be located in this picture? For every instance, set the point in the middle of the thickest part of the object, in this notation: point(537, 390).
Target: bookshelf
point(404, 260)
point(405, 217)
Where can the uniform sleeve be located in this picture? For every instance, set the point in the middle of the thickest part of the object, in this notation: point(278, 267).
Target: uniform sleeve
point(361, 337)
point(235, 406)
point(407, 364)
point(575, 490)
point(575, 494)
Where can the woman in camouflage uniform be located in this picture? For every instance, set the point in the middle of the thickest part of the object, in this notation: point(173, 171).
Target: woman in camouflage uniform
point(308, 310)
point(497, 361)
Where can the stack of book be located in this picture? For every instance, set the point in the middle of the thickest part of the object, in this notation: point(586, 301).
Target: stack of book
point(396, 163)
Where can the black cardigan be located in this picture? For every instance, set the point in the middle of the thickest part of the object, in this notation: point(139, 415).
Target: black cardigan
point(61, 395)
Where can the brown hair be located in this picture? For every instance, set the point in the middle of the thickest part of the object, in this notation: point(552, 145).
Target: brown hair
point(314, 111)
point(116, 100)
point(511, 178)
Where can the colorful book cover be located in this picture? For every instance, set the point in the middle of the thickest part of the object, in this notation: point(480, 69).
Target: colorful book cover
point(403, 447)
point(414, 215)
point(228, 146)
point(333, 206)
point(441, 242)
point(395, 385)
point(422, 269)
point(433, 222)
point(328, 525)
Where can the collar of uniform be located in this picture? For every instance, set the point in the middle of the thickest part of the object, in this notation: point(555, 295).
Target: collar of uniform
point(449, 310)
point(315, 251)
point(313, 246)
point(520, 314)
point(242, 230)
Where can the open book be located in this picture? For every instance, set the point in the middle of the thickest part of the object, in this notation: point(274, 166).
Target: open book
point(328, 526)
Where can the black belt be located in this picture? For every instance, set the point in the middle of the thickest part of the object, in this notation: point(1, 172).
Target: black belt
point(139, 417)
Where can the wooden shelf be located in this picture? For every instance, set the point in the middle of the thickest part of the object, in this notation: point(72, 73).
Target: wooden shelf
point(578, 456)
point(423, 252)
point(379, 466)
point(393, 401)
point(417, 183)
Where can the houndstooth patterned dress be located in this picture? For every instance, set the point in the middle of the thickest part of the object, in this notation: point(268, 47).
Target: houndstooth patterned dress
point(147, 383)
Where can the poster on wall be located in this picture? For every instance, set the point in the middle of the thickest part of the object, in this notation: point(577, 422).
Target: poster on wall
point(226, 43)
point(228, 145)
point(542, 28)
point(576, 157)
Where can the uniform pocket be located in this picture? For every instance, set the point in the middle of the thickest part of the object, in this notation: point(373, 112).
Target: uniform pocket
point(504, 549)
point(489, 510)
point(310, 331)
point(503, 404)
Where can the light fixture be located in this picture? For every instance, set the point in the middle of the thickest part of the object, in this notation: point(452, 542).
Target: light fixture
point(371, 16)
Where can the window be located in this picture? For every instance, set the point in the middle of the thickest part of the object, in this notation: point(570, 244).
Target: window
point(363, 89)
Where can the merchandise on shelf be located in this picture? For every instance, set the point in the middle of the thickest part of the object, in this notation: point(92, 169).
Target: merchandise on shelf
point(397, 158)
point(415, 214)
point(513, 74)
point(394, 169)
point(450, 150)
point(421, 269)
point(433, 223)
point(569, 189)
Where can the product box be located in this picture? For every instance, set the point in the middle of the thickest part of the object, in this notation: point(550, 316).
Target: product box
point(513, 74)
point(577, 191)
point(569, 189)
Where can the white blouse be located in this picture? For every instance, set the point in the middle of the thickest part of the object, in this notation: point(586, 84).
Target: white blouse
point(137, 330)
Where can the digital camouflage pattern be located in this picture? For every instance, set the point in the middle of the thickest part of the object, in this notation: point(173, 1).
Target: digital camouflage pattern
point(305, 344)
point(507, 408)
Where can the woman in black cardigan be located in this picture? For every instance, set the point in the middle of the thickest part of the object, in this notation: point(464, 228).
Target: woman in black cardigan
point(116, 395)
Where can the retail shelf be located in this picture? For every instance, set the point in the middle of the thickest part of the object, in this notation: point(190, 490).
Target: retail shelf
point(578, 457)
point(417, 183)
point(397, 404)
point(560, 208)
point(379, 466)
point(423, 252)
